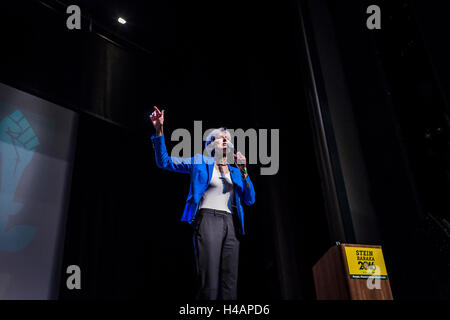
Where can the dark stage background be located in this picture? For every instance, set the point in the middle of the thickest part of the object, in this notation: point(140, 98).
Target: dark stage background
point(383, 96)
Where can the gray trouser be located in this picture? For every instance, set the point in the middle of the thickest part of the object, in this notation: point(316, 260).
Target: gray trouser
point(216, 250)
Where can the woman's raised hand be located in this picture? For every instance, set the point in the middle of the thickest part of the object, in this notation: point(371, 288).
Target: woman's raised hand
point(157, 118)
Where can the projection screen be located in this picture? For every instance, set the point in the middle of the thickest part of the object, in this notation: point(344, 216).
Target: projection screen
point(37, 142)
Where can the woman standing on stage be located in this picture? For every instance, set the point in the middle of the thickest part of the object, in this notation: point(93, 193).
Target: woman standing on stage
point(213, 208)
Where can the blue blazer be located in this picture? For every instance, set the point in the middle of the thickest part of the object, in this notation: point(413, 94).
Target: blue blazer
point(200, 169)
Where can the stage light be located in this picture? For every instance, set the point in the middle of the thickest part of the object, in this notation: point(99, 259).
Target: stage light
point(122, 20)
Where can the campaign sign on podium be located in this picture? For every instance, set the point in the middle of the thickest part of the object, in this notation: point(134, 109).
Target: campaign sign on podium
point(352, 272)
point(365, 262)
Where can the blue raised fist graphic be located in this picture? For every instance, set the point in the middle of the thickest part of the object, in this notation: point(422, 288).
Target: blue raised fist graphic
point(17, 144)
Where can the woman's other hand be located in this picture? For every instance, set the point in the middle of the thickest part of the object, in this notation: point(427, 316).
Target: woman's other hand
point(241, 163)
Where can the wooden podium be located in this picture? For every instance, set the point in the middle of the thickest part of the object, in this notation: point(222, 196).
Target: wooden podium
point(352, 272)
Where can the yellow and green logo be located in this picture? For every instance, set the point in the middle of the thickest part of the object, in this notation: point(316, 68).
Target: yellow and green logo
point(364, 262)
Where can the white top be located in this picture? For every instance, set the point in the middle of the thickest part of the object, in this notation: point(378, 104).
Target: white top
point(219, 194)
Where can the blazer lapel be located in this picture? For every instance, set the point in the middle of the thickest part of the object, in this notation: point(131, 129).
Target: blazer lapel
point(233, 174)
point(210, 167)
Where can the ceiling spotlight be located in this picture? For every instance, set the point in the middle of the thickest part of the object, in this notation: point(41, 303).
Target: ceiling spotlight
point(122, 20)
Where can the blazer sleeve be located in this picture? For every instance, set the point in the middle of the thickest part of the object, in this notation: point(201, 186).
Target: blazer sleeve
point(164, 161)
